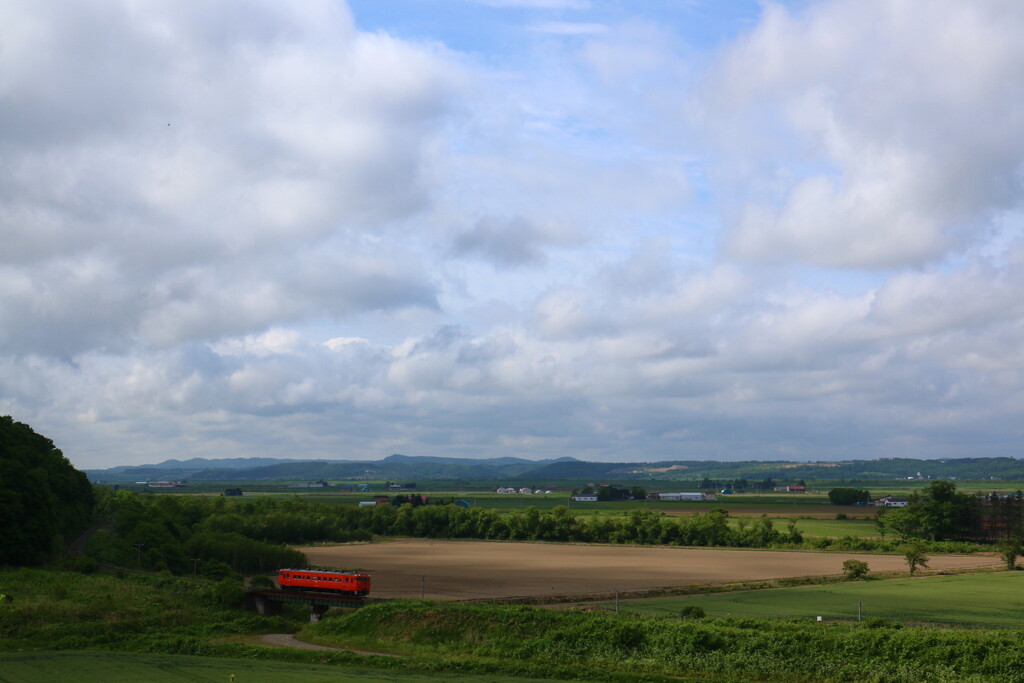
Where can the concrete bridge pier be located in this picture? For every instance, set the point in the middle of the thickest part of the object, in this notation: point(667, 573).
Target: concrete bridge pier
point(316, 613)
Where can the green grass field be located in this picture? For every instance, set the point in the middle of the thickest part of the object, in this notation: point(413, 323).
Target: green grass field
point(122, 667)
point(994, 600)
point(858, 528)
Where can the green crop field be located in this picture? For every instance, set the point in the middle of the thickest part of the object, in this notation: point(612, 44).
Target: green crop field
point(858, 528)
point(993, 600)
point(122, 667)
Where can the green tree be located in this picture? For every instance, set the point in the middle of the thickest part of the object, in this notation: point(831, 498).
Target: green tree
point(940, 512)
point(1009, 551)
point(44, 501)
point(848, 496)
point(855, 569)
point(914, 554)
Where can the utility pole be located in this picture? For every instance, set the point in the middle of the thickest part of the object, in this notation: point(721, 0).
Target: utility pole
point(616, 600)
point(138, 554)
point(423, 587)
point(195, 565)
point(859, 610)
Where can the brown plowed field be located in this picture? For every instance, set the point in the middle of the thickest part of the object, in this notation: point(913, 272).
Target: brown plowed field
point(460, 570)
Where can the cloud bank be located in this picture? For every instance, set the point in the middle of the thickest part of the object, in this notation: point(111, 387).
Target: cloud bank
point(273, 230)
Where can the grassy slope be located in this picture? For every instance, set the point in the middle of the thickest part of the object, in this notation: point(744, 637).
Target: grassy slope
point(54, 610)
point(605, 645)
point(990, 600)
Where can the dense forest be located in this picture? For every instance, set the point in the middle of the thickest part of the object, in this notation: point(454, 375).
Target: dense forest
point(194, 535)
point(44, 501)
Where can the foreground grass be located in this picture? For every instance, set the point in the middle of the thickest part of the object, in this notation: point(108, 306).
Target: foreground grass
point(588, 644)
point(66, 610)
point(102, 625)
point(992, 600)
point(121, 667)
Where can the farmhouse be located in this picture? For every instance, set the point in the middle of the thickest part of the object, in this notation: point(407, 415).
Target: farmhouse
point(891, 502)
point(585, 497)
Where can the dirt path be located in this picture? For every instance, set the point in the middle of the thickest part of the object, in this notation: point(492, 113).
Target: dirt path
point(288, 640)
point(462, 570)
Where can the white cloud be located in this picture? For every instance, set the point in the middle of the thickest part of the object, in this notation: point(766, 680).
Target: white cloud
point(210, 163)
point(871, 134)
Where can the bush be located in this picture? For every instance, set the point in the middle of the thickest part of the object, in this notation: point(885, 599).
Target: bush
point(82, 565)
point(262, 581)
point(692, 612)
point(225, 593)
point(855, 569)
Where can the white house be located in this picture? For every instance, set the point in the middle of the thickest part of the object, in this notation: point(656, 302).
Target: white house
point(585, 497)
point(891, 502)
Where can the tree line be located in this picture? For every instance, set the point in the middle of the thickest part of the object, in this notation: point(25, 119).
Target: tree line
point(250, 535)
point(186, 534)
point(939, 512)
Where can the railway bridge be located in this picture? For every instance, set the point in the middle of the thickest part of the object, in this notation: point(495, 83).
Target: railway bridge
point(270, 602)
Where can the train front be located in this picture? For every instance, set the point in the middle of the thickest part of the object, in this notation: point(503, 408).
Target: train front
point(361, 583)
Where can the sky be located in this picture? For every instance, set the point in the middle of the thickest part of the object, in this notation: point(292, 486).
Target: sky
point(616, 231)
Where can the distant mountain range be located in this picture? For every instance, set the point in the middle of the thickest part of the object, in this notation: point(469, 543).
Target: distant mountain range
point(276, 469)
point(410, 468)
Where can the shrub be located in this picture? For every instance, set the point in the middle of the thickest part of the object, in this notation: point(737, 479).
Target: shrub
point(1009, 550)
point(262, 581)
point(82, 565)
point(855, 569)
point(225, 593)
point(692, 612)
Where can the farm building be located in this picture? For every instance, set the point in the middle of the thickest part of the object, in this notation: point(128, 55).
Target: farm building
point(891, 502)
point(585, 497)
point(692, 497)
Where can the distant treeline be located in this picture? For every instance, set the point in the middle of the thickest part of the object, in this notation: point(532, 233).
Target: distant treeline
point(182, 534)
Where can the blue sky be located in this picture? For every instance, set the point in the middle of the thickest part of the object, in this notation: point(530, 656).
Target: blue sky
point(615, 231)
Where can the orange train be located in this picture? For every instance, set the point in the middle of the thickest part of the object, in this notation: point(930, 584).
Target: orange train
point(348, 583)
